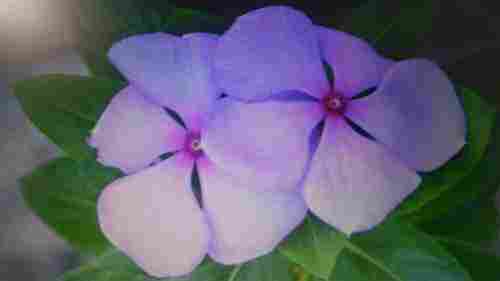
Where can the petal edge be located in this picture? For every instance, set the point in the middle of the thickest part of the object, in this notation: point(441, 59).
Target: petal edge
point(353, 183)
point(356, 65)
point(416, 113)
point(246, 223)
point(132, 132)
point(268, 51)
point(137, 214)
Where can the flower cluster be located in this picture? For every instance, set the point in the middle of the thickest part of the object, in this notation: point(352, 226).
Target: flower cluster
point(268, 136)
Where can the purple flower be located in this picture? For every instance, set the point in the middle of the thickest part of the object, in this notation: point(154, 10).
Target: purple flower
point(152, 214)
point(269, 63)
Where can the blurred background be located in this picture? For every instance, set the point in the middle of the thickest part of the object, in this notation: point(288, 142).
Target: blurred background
point(42, 36)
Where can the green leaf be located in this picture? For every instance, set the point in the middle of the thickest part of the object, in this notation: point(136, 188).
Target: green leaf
point(482, 263)
point(315, 246)
point(392, 251)
point(114, 266)
point(353, 267)
point(397, 251)
point(63, 193)
point(66, 108)
point(470, 233)
point(272, 267)
point(103, 23)
point(475, 222)
point(480, 122)
point(394, 27)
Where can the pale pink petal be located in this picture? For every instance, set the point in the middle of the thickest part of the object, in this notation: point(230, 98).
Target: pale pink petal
point(415, 113)
point(154, 218)
point(353, 182)
point(265, 142)
point(132, 132)
point(356, 66)
point(175, 72)
point(268, 51)
point(246, 223)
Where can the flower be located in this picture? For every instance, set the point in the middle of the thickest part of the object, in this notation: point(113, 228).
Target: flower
point(269, 63)
point(152, 214)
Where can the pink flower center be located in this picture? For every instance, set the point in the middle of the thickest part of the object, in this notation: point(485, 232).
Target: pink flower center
point(335, 103)
point(193, 145)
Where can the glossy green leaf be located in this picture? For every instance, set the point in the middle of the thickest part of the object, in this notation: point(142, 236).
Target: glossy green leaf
point(470, 233)
point(472, 245)
point(474, 222)
point(114, 266)
point(66, 108)
point(272, 267)
point(394, 27)
point(480, 121)
point(63, 193)
point(353, 267)
point(315, 246)
point(103, 23)
point(482, 263)
point(397, 251)
point(392, 251)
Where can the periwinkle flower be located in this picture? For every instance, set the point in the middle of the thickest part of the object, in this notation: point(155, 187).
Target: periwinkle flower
point(269, 63)
point(152, 214)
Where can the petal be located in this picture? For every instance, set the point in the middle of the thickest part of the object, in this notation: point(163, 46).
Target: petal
point(416, 113)
point(356, 65)
point(246, 224)
point(268, 51)
point(155, 219)
point(264, 142)
point(175, 72)
point(132, 132)
point(353, 183)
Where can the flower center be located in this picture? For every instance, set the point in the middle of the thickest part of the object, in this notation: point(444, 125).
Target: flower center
point(335, 103)
point(196, 145)
point(193, 145)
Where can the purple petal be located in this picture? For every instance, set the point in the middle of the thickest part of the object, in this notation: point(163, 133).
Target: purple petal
point(132, 132)
point(246, 224)
point(355, 64)
point(155, 219)
point(416, 113)
point(266, 142)
point(353, 183)
point(268, 51)
point(175, 72)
